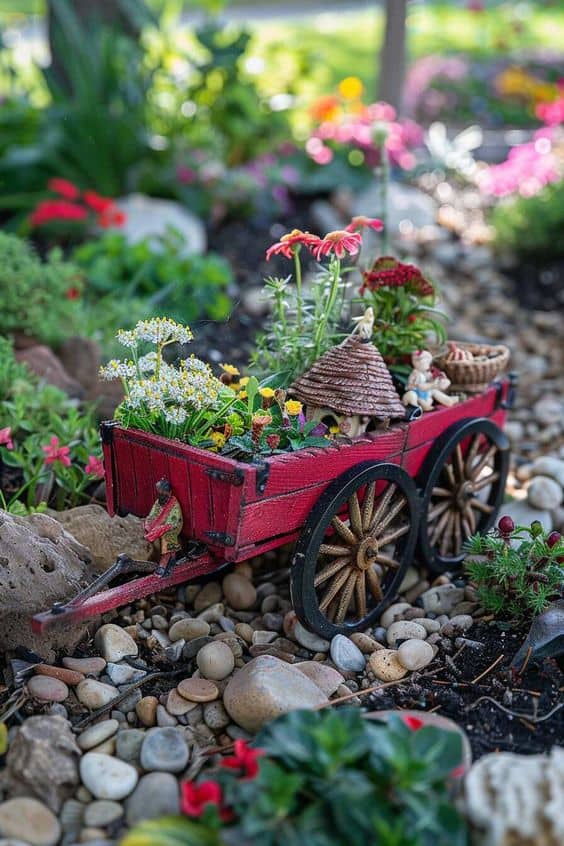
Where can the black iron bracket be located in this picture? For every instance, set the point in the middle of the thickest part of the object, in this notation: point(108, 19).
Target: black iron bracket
point(263, 472)
point(107, 430)
point(236, 478)
point(221, 539)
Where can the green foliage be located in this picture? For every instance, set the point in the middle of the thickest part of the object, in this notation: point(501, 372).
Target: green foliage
point(329, 778)
point(32, 413)
point(517, 574)
point(35, 293)
point(3, 738)
point(158, 271)
point(532, 227)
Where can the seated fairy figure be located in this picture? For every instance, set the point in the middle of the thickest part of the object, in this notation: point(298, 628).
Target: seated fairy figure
point(164, 523)
point(423, 387)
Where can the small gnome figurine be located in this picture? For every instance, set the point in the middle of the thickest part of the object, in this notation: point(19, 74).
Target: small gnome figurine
point(164, 523)
point(423, 387)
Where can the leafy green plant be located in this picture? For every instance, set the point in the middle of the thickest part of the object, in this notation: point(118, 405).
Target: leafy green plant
point(39, 298)
point(531, 227)
point(518, 570)
point(159, 271)
point(324, 778)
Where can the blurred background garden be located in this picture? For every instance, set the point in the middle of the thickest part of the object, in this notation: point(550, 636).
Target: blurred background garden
point(151, 150)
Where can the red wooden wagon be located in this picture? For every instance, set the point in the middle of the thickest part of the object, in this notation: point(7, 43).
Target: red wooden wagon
point(359, 511)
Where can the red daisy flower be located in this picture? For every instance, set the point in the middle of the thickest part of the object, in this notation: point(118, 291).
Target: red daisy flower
point(54, 452)
point(63, 188)
point(96, 202)
point(362, 222)
point(55, 210)
point(245, 759)
point(195, 797)
point(339, 242)
point(287, 243)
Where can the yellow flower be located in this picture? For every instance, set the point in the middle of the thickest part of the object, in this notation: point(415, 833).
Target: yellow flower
point(334, 430)
point(243, 395)
point(293, 407)
point(351, 88)
point(235, 385)
point(230, 369)
point(218, 439)
point(267, 393)
point(244, 381)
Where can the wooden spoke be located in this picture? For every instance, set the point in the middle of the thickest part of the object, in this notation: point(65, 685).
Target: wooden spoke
point(484, 482)
point(447, 534)
point(459, 463)
point(393, 512)
point(469, 514)
point(356, 518)
point(334, 588)
point(330, 570)
point(439, 528)
point(368, 505)
point(345, 598)
point(466, 526)
point(472, 453)
point(374, 584)
point(483, 462)
point(457, 534)
point(388, 562)
point(438, 510)
point(332, 549)
point(398, 533)
point(481, 506)
point(332, 610)
point(343, 530)
point(381, 507)
point(360, 594)
point(449, 473)
point(441, 492)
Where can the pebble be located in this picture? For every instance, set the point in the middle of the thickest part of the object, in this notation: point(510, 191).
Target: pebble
point(146, 710)
point(548, 410)
point(410, 579)
point(430, 626)
point(198, 690)
point(47, 689)
point(177, 706)
point(326, 678)
point(245, 631)
point(89, 666)
point(156, 795)
point(415, 654)
point(209, 595)
point(386, 666)
point(309, 640)
point(128, 744)
point(130, 702)
point(29, 820)
point(365, 643)
point(192, 647)
point(159, 622)
point(415, 592)
point(108, 747)
point(115, 643)
point(107, 777)
point(346, 655)
point(164, 749)
point(405, 630)
point(379, 634)
point(393, 613)
point(547, 465)
point(544, 493)
point(101, 813)
point(96, 734)
point(188, 629)
point(442, 598)
point(213, 613)
point(95, 694)
point(215, 660)
point(173, 653)
point(239, 592)
point(260, 638)
point(65, 675)
point(463, 622)
point(124, 673)
point(215, 716)
point(164, 719)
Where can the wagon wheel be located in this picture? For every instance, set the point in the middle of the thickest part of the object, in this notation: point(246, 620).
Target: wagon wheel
point(463, 484)
point(354, 549)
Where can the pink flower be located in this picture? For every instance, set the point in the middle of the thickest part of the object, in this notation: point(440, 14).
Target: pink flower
point(49, 211)
point(63, 188)
point(245, 759)
point(551, 113)
point(362, 222)
point(339, 242)
point(195, 797)
point(6, 437)
point(54, 452)
point(288, 242)
point(95, 467)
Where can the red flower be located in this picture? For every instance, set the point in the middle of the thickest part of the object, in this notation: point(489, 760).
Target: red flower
point(413, 723)
point(72, 294)
point(273, 441)
point(111, 216)
point(96, 202)
point(54, 452)
point(195, 797)
point(63, 188)
point(362, 222)
point(339, 242)
point(55, 210)
point(95, 467)
point(285, 246)
point(6, 437)
point(245, 759)
point(391, 273)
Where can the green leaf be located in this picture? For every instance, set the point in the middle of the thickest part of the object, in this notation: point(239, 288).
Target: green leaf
point(3, 738)
point(171, 831)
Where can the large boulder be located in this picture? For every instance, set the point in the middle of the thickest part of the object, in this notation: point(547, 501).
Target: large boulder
point(81, 358)
point(147, 217)
point(106, 537)
point(44, 363)
point(43, 761)
point(40, 563)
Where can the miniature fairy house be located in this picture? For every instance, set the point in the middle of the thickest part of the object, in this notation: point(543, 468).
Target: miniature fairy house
point(349, 387)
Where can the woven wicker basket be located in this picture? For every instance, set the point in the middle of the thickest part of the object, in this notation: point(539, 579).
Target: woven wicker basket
point(474, 376)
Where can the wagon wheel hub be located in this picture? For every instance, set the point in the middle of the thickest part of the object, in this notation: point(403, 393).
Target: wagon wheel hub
point(366, 553)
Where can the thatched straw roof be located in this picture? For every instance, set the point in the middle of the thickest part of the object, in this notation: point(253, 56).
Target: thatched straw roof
point(350, 378)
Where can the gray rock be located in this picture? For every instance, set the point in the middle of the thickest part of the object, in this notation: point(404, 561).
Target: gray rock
point(544, 493)
point(42, 761)
point(29, 820)
point(346, 656)
point(101, 813)
point(442, 599)
point(192, 648)
point(548, 465)
point(164, 749)
point(215, 716)
point(128, 745)
point(107, 777)
point(114, 643)
point(149, 217)
point(549, 410)
point(156, 795)
point(96, 734)
point(124, 673)
point(524, 514)
point(404, 203)
point(309, 640)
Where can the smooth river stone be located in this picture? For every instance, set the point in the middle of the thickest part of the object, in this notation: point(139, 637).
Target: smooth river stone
point(326, 678)
point(47, 689)
point(390, 614)
point(89, 666)
point(115, 643)
point(107, 777)
point(164, 749)
point(146, 710)
point(177, 705)
point(415, 654)
point(62, 673)
point(309, 640)
point(188, 629)
point(405, 630)
point(156, 795)
point(239, 592)
point(215, 660)
point(97, 734)
point(346, 655)
point(386, 666)
point(30, 820)
point(95, 694)
point(101, 813)
point(198, 690)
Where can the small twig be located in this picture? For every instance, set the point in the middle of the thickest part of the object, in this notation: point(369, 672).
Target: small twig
point(19, 698)
point(526, 661)
point(527, 724)
point(501, 707)
point(488, 670)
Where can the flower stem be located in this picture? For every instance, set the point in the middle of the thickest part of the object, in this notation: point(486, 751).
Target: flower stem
point(299, 295)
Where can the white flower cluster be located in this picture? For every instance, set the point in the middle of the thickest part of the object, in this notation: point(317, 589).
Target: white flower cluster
point(158, 330)
point(116, 369)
